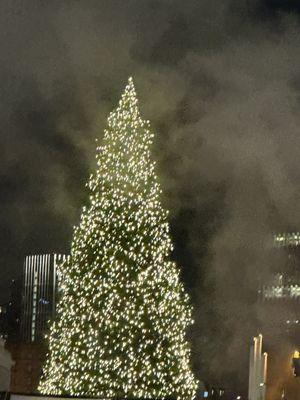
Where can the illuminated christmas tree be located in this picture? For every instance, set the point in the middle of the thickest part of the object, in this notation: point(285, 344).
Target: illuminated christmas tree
point(123, 315)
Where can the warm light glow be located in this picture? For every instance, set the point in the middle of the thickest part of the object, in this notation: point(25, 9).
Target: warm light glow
point(123, 314)
point(296, 354)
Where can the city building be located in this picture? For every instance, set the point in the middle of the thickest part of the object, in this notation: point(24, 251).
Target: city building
point(39, 295)
point(280, 292)
point(279, 316)
point(27, 368)
point(6, 363)
point(10, 313)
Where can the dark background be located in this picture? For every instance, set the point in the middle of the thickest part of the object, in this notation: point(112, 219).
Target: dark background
point(220, 82)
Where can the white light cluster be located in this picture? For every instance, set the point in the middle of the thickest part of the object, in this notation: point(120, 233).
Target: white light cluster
point(279, 292)
point(287, 239)
point(122, 318)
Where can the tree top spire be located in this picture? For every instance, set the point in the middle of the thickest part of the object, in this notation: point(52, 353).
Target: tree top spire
point(130, 83)
point(129, 96)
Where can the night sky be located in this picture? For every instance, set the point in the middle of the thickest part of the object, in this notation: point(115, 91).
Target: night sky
point(220, 83)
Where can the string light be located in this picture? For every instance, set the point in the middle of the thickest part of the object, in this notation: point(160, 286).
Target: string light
point(123, 314)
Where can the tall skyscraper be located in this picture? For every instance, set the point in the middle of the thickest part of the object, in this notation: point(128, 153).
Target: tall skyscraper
point(278, 314)
point(40, 291)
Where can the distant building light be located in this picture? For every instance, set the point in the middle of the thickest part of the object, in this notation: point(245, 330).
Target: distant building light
point(296, 363)
point(287, 239)
point(40, 289)
point(44, 301)
point(296, 354)
point(279, 292)
point(205, 394)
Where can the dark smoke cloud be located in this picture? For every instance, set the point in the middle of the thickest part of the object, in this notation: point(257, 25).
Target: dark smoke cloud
point(220, 83)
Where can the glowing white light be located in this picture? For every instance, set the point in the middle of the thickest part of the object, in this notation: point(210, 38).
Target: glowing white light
point(123, 314)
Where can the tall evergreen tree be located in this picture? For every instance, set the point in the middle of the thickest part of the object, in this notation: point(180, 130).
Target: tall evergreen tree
point(122, 318)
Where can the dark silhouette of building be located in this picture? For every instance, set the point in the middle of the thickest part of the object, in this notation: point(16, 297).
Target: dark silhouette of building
point(28, 363)
point(25, 319)
point(10, 313)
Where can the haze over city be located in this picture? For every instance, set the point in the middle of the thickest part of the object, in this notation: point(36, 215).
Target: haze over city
point(220, 84)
